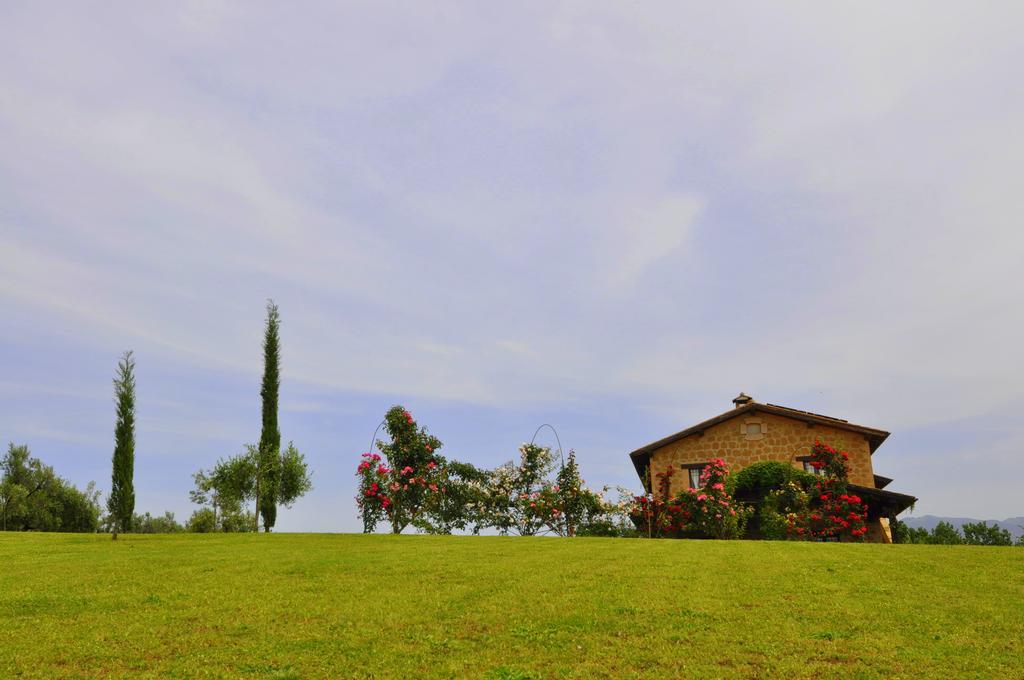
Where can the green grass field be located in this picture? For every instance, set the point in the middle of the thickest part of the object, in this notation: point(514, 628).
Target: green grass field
point(291, 606)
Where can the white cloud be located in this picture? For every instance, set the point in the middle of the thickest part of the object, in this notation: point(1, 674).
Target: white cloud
point(212, 166)
point(651, 233)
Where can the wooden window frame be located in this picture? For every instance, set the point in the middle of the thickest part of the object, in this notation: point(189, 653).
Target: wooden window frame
point(690, 467)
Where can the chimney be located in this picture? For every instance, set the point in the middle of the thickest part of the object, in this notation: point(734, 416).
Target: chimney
point(742, 400)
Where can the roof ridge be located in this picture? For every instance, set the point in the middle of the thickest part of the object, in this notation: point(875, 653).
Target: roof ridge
point(810, 413)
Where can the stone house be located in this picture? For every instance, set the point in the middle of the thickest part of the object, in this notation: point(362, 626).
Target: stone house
point(752, 432)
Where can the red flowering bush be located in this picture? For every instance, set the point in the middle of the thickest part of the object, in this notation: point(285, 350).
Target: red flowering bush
point(833, 512)
point(400, 485)
point(652, 513)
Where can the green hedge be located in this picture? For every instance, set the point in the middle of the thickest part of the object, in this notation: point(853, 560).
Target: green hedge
point(756, 480)
point(755, 485)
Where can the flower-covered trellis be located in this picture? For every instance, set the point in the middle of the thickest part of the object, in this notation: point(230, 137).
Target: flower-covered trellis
point(398, 485)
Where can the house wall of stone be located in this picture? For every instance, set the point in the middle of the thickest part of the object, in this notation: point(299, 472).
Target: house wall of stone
point(783, 439)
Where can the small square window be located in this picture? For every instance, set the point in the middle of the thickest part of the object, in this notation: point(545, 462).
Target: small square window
point(811, 469)
point(694, 478)
point(753, 428)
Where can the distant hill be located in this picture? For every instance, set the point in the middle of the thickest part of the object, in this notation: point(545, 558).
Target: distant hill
point(1015, 525)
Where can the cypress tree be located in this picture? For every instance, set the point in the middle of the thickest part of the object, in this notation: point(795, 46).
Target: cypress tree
point(270, 437)
point(121, 502)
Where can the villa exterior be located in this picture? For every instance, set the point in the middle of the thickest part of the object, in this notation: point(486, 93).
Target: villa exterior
point(753, 432)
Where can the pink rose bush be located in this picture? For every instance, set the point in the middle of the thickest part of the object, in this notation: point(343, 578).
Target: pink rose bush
point(403, 483)
point(707, 511)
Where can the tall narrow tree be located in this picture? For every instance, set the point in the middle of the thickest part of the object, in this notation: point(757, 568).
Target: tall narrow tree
point(270, 437)
point(121, 502)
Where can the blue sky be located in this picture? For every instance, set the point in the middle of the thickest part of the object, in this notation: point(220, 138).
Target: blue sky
point(608, 219)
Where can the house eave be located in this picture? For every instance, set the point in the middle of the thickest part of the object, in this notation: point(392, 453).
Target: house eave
point(883, 503)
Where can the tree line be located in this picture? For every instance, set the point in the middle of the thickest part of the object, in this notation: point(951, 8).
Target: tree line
point(944, 533)
point(34, 498)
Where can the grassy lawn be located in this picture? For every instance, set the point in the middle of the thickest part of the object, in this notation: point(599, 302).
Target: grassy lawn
point(289, 606)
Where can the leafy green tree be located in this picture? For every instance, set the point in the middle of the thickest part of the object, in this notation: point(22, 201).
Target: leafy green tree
point(294, 479)
point(34, 498)
point(223, 489)
point(230, 483)
point(919, 535)
point(945, 533)
point(79, 510)
point(204, 493)
point(901, 533)
point(241, 479)
point(12, 501)
point(121, 502)
point(147, 524)
point(981, 533)
point(21, 480)
point(270, 436)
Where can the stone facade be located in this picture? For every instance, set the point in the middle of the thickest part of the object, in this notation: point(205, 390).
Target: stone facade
point(751, 438)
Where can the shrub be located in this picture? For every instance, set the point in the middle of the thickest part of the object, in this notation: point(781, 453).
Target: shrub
point(147, 524)
point(773, 490)
point(832, 512)
point(706, 512)
point(514, 490)
point(232, 521)
point(568, 508)
point(400, 488)
point(709, 511)
point(755, 481)
point(238, 522)
point(202, 521)
point(653, 514)
point(462, 505)
point(777, 506)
